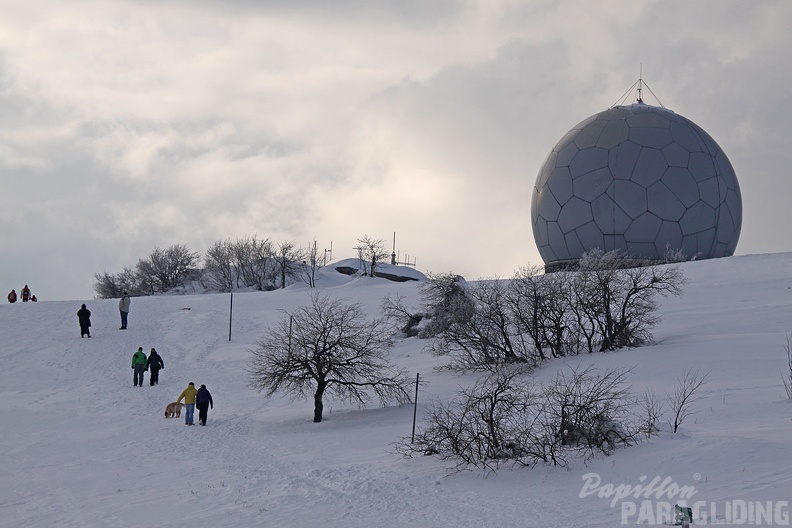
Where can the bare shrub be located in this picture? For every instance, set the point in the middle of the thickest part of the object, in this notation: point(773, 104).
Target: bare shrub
point(787, 376)
point(685, 394)
point(590, 409)
point(506, 417)
point(652, 412)
point(446, 301)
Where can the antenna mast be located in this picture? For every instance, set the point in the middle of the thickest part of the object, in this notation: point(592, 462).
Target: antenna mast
point(640, 83)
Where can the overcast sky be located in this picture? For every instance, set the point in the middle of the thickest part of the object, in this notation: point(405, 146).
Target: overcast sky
point(125, 126)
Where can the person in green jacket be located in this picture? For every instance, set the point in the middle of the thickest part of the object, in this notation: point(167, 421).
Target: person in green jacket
point(139, 364)
point(188, 395)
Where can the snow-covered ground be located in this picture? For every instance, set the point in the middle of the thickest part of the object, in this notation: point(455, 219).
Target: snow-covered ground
point(82, 447)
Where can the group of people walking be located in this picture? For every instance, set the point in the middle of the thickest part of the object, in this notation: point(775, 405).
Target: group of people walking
point(26, 296)
point(193, 398)
point(141, 364)
point(84, 314)
point(200, 398)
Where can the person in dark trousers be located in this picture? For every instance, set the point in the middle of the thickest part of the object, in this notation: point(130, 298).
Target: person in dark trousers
point(139, 364)
point(25, 293)
point(12, 296)
point(154, 363)
point(123, 307)
point(84, 317)
point(203, 400)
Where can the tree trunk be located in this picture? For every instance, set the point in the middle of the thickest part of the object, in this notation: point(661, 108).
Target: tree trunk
point(318, 405)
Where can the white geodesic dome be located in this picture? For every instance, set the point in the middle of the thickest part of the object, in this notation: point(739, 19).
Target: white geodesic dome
point(640, 179)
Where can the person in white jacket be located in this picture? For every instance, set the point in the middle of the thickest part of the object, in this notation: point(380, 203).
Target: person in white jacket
point(123, 307)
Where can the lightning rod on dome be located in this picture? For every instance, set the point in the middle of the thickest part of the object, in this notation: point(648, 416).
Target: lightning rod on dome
point(638, 87)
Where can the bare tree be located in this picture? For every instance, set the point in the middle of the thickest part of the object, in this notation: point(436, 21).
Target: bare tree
point(109, 286)
point(489, 337)
point(288, 259)
point(311, 254)
point(167, 268)
point(327, 347)
point(371, 252)
point(220, 271)
point(255, 263)
point(625, 293)
point(686, 393)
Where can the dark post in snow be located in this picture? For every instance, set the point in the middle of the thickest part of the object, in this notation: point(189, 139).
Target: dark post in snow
point(230, 313)
point(415, 406)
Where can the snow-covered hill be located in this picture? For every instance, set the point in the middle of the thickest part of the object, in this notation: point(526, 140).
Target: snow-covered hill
point(83, 447)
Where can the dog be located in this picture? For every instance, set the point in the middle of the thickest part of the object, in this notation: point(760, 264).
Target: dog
point(173, 409)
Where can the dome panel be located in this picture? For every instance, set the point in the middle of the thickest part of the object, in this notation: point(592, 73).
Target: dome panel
point(650, 137)
point(609, 217)
point(614, 133)
point(643, 229)
point(676, 155)
point(669, 238)
point(701, 166)
point(561, 185)
point(588, 136)
point(566, 155)
point(626, 157)
point(630, 196)
point(684, 135)
point(648, 120)
point(548, 206)
point(681, 183)
point(710, 193)
point(574, 214)
point(590, 237)
point(698, 218)
point(649, 168)
point(664, 203)
point(587, 160)
point(591, 185)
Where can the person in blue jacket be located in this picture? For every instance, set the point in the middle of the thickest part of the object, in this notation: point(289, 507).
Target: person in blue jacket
point(203, 400)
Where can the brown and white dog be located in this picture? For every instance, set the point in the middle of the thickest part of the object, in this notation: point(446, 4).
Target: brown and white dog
point(173, 409)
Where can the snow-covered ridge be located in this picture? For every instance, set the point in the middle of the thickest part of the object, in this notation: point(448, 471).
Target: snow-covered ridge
point(83, 447)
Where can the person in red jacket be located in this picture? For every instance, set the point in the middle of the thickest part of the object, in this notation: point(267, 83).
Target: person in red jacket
point(12, 296)
point(25, 293)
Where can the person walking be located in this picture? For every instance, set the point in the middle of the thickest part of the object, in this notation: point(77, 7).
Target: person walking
point(25, 293)
point(84, 318)
point(123, 307)
point(154, 363)
point(203, 400)
point(12, 296)
point(188, 395)
point(139, 364)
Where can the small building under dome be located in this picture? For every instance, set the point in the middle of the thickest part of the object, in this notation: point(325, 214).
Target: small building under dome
point(640, 179)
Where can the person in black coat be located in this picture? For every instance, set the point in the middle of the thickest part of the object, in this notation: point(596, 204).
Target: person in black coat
point(154, 363)
point(203, 400)
point(84, 317)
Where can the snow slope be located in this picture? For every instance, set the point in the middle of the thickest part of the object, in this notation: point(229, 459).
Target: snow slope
point(83, 447)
